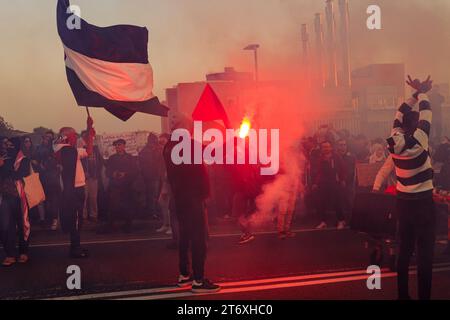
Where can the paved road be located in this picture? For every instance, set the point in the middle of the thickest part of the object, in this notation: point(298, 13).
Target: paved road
point(314, 265)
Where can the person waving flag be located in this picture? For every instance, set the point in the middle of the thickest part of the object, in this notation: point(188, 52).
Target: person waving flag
point(108, 67)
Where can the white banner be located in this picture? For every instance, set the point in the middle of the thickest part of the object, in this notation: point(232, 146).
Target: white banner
point(136, 141)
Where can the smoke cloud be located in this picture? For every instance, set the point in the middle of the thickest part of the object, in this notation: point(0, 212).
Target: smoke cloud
point(189, 38)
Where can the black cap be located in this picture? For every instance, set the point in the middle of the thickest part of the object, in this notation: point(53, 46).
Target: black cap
point(118, 142)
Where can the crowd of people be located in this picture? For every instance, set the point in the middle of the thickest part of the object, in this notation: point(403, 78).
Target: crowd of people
point(117, 188)
point(81, 186)
point(331, 170)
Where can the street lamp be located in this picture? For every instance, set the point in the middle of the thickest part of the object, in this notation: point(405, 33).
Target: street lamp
point(254, 48)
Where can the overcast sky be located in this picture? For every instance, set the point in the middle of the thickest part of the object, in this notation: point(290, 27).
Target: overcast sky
point(189, 38)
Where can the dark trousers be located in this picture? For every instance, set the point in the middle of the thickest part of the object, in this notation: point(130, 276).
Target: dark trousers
point(242, 209)
point(121, 204)
point(330, 195)
point(72, 215)
point(151, 195)
point(347, 199)
point(193, 234)
point(11, 225)
point(174, 224)
point(417, 228)
point(52, 201)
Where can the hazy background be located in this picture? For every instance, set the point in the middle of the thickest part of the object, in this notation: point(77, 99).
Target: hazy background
point(189, 38)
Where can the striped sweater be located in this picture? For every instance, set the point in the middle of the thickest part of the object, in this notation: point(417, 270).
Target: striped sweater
point(411, 152)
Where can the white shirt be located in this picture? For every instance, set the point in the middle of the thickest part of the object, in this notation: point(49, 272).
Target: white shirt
point(80, 177)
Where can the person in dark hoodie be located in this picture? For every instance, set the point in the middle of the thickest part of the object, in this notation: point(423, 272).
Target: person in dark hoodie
point(74, 182)
point(328, 179)
point(14, 166)
point(190, 188)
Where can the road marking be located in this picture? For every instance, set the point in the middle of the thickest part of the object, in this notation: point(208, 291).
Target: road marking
point(226, 235)
point(248, 285)
point(225, 285)
point(272, 287)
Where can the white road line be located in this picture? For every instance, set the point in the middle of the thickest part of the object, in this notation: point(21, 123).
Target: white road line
point(273, 287)
point(270, 283)
point(225, 285)
point(226, 235)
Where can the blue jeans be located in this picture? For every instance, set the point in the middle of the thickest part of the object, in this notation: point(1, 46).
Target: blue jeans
point(11, 224)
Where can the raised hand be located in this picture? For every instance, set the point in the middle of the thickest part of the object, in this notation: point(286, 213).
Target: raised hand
point(427, 85)
point(90, 122)
point(415, 84)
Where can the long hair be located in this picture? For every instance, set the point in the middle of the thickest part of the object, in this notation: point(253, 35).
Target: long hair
point(27, 152)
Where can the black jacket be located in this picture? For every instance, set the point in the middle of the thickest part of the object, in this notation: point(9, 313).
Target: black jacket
point(188, 182)
point(121, 163)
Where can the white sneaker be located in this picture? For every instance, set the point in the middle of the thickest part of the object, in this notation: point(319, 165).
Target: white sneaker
point(169, 232)
point(162, 229)
point(322, 225)
point(341, 225)
point(184, 281)
point(54, 226)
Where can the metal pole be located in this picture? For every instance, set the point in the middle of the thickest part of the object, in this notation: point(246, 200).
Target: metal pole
point(256, 66)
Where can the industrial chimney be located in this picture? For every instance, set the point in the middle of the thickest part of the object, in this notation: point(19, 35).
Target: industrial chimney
point(305, 42)
point(331, 44)
point(345, 78)
point(318, 27)
point(305, 62)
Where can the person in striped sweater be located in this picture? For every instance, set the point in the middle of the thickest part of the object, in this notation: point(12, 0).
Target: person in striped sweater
point(409, 146)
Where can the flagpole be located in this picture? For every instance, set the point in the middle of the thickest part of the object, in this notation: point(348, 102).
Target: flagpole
point(91, 133)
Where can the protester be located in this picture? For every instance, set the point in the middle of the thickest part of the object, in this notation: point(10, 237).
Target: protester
point(442, 156)
point(150, 163)
point(93, 166)
point(28, 150)
point(50, 178)
point(378, 154)
point(286, 204)
point(246, 187)
point(360, 148)
point(74, 182)
point(190, 187)
point(14, 166)
point(349, 164)
point(165, 194)
point(385, 176)
point(328, 178)
point(27, 147)
point(437, 100)
point(409, 146)
point(121, 169)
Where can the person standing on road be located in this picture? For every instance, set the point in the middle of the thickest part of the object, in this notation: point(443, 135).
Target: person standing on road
point(50, 179)
point(93, 169)
point(328, 175)
point(164, 193)
point(74, 182)
point(121, 169)
point(409, 146)
point(190, 188)
point(349, 163)
point(150, 165)
point(14, 219)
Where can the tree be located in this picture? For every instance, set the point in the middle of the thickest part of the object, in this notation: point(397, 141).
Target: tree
point(6, 129)
point(41, 131)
